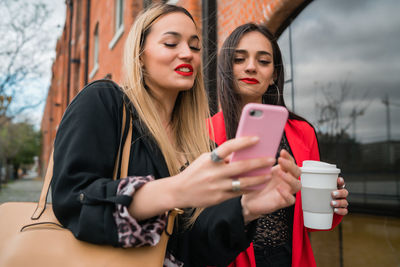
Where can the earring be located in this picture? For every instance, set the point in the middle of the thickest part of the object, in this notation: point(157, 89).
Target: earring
point(278, 93)
point(271, 94)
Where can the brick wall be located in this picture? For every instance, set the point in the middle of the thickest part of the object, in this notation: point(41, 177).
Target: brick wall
point(234, 13)
point(69, 71)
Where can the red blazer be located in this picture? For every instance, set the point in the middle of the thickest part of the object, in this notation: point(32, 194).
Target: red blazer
point(303, 143)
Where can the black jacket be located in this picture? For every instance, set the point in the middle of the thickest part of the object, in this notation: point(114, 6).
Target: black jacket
point(84, 194)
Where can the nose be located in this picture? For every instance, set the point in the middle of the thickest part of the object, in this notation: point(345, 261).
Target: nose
point(250, 66)
point(185, 52)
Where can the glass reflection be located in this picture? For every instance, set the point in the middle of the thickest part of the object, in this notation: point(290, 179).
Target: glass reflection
point(346, 65)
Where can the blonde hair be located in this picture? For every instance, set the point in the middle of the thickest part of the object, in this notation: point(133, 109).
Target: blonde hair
point(191, 107)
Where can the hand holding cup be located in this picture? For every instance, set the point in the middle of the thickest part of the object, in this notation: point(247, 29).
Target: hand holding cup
point(339, 196)
point(319, 180)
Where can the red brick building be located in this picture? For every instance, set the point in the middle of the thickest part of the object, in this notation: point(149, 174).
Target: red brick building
point(92, 42)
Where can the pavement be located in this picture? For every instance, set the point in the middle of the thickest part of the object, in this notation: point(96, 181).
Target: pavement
point(24, 189)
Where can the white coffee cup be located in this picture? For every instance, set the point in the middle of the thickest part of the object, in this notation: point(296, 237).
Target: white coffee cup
point(318, 180)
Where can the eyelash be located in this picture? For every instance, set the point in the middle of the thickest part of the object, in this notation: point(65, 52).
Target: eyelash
point(241, 60)
point(169, 45)
point(174, 45)
point(264, 62)
point(195, 48)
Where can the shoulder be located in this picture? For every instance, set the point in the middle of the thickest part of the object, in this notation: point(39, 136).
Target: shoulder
point(103, 89)
point(301, 131)
point(100, 102)
point(303, 127)
point(302, 140)
point(98, 94)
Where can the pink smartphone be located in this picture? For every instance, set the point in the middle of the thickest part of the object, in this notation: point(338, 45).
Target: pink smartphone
point(265, 121)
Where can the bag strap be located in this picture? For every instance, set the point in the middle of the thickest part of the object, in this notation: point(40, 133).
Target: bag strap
point(41, 206)
point(169, 228)
point(126, 150)
point(120, 166)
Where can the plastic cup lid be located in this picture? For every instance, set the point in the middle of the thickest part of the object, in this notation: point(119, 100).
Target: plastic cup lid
point(318, 167)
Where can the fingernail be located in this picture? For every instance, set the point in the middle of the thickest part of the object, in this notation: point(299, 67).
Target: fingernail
point(334, 203)
point(341, 179)
point(255, 138)
point(336, 210)
point(335, 193)
point(271, 160)
point(267, 177)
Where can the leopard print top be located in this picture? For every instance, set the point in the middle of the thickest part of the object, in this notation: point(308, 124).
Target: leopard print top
point(132, 233)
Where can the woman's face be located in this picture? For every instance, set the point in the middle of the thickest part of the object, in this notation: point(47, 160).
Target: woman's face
point(253, 66)
point(171, 56)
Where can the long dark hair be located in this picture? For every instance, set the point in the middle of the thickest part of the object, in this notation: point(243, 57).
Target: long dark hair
point(229, 97)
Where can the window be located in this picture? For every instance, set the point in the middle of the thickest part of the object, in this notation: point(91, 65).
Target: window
point(118, 22)
point(346, 65)
point(95, 52)
point(78, 25)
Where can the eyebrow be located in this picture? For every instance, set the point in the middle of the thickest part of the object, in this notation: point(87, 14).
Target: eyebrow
point(242, 51)
point(177, 34)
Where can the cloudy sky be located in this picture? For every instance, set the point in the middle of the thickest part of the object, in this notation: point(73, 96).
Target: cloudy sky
point(52, 30)
point(353, 41)
point(55, 25)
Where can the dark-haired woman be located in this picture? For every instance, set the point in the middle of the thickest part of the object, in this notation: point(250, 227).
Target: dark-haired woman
point(250, 70)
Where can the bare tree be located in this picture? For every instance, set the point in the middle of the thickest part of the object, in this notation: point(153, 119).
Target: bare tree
point(24, 45)
point(333, 120)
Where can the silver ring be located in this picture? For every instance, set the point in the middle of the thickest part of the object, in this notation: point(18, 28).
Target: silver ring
point(235, 185)
point(343, 186)
point(215, 157)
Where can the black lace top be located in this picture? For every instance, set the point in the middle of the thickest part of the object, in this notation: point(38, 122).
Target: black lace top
point(274, 231)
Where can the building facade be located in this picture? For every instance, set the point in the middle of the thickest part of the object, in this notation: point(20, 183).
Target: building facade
point(91, 45)
point(332, 48)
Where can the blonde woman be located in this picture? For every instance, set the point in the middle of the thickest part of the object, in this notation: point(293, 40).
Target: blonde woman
point(164, 92)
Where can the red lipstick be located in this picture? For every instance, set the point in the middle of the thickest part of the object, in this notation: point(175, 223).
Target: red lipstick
point(184, 69)
point(250, 80)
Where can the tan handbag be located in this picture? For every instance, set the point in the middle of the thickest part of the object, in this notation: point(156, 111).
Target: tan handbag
point(31, 235)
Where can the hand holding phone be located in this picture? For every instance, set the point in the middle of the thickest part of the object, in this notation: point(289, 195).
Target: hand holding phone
point(268, 123)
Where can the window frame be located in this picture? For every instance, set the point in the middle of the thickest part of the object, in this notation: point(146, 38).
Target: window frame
point(96, 44)
point(118, 22)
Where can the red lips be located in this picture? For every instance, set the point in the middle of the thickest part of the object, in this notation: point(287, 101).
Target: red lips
point(184, 70)
point(250, 80)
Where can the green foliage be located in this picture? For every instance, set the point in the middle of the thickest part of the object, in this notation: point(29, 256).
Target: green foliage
point(19, 143)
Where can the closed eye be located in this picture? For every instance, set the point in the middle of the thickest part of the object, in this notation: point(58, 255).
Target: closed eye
point(264, 62)
point(170, 44)
point(238, 60)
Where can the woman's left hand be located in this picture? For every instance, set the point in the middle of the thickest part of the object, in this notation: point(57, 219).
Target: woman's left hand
point(339, 202)
point(278, 191)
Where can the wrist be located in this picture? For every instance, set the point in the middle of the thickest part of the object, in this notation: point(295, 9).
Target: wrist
point(247, 215)
point(153, 198)
point(174, 197)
